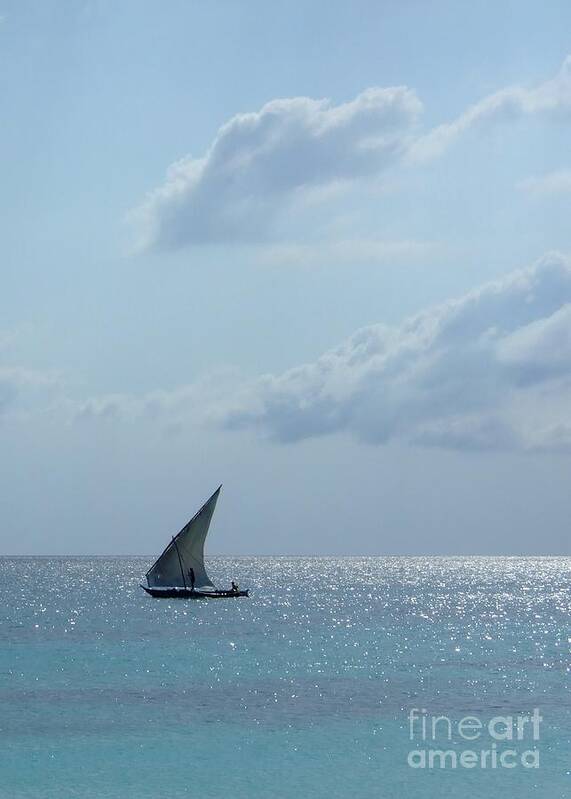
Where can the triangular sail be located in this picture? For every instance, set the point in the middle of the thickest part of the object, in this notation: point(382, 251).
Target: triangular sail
point(185, 552)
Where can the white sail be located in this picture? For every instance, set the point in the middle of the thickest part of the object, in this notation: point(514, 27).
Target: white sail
point(186, 552)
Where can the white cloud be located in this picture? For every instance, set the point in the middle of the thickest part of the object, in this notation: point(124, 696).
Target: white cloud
point(259, 161)
point(553, 97)
point(539, 350)
point(558, 182)
point(486, 370)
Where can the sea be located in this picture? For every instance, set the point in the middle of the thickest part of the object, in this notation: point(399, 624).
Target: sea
point(338, 677)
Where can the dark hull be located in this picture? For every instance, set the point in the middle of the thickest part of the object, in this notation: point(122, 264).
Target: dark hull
point(188, 593)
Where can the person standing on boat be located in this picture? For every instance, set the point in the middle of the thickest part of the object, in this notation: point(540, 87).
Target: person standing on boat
point(192, 577)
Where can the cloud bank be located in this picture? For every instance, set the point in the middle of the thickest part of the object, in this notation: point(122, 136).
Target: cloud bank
point(488, 370)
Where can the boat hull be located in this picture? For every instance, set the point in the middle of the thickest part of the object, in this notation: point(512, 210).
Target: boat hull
point(189, 593)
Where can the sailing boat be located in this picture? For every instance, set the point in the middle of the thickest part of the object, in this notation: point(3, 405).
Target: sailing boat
point(180, 572)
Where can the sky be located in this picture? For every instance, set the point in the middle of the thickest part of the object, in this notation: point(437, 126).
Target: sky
point(317, 252)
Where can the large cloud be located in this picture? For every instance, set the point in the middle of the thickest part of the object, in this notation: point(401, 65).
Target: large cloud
point(258, 161)
point(261, 161)
point(487, 370)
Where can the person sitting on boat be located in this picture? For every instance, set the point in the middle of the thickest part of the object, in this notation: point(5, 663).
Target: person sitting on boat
point(192, 577)
point(235, 586)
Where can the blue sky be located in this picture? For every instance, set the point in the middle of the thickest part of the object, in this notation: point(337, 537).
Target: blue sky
point(318, 252)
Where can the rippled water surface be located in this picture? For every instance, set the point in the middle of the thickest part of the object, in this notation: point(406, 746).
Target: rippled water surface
point(304, 689)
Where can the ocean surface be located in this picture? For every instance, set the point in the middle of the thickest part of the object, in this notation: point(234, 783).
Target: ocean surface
point(303, 690)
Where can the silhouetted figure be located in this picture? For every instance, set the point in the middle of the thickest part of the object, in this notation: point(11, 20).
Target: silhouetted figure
point(192, 578)
point(234, 586)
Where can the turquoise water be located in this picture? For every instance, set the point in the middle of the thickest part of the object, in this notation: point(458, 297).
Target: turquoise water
point(302, 690)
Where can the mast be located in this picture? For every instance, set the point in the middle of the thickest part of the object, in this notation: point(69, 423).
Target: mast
point(179, 560)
